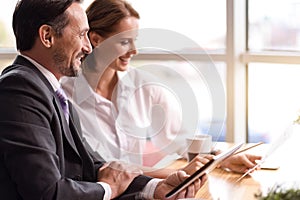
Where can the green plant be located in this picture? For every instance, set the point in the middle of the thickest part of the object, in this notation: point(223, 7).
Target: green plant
point(279, 193)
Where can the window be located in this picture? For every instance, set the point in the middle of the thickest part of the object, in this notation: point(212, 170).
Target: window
point(274, 99)
point(273, 67)
point(173, 38)
point(275, 27)
point(257, 71)
point(195, 85)
point(193, 19)
point(7, 40)
point(6, 34)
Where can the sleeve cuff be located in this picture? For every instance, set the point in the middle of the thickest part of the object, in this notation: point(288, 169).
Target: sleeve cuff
point(149, 189)
point(107, 189)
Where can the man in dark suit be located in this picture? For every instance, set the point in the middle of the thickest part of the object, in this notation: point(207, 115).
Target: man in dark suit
point(41, 152)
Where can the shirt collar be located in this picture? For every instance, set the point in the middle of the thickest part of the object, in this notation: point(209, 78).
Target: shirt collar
point(127, 78)
point(49, 76)
point(83, 90)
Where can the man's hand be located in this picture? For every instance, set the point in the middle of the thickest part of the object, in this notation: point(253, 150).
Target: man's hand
point(175, 179)
point(118, 175)
point(197, 163)
point(240, 163)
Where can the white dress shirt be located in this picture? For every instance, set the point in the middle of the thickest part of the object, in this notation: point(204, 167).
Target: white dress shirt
point(118, 129)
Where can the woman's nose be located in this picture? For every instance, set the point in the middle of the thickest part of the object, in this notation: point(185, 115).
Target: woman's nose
point(133, 51)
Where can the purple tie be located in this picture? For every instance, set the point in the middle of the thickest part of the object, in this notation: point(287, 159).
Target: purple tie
point(63, 102)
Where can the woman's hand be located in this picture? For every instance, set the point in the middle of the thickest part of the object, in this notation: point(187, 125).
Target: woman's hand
point(240, 163)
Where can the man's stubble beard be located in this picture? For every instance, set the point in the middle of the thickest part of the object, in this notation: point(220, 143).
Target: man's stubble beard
point(60, 59)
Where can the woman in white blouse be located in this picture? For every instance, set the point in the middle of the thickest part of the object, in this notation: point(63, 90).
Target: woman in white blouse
point(121, 107)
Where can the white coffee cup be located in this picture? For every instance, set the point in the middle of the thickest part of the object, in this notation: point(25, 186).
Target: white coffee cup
point(199, 144)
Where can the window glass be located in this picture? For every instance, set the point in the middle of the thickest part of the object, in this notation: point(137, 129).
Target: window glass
point(6, 32)
point(208, 21)
point(274, 25)
point(200, 20)
point(274, 99)
point(193, 81)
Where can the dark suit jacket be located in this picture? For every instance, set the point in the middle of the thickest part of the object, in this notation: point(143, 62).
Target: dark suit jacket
point(41, 156)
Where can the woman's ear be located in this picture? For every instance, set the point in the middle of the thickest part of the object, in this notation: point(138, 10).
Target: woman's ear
point(95, 38)
point(45, 35)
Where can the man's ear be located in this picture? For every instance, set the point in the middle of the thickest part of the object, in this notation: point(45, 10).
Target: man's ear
point(95, 38)
point(46, 34)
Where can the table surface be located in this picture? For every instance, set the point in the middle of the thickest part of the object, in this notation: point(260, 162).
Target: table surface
point(222, 185)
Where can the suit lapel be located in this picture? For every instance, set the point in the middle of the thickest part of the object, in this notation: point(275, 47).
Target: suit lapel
point(75, 128)
point(27, 65)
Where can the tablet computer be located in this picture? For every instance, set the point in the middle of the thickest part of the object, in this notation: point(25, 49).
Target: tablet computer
point(208, 167)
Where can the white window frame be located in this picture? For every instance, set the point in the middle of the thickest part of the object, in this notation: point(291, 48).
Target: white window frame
point(7, 53)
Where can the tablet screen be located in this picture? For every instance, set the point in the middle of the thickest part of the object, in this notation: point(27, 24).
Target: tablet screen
point(208, 167)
